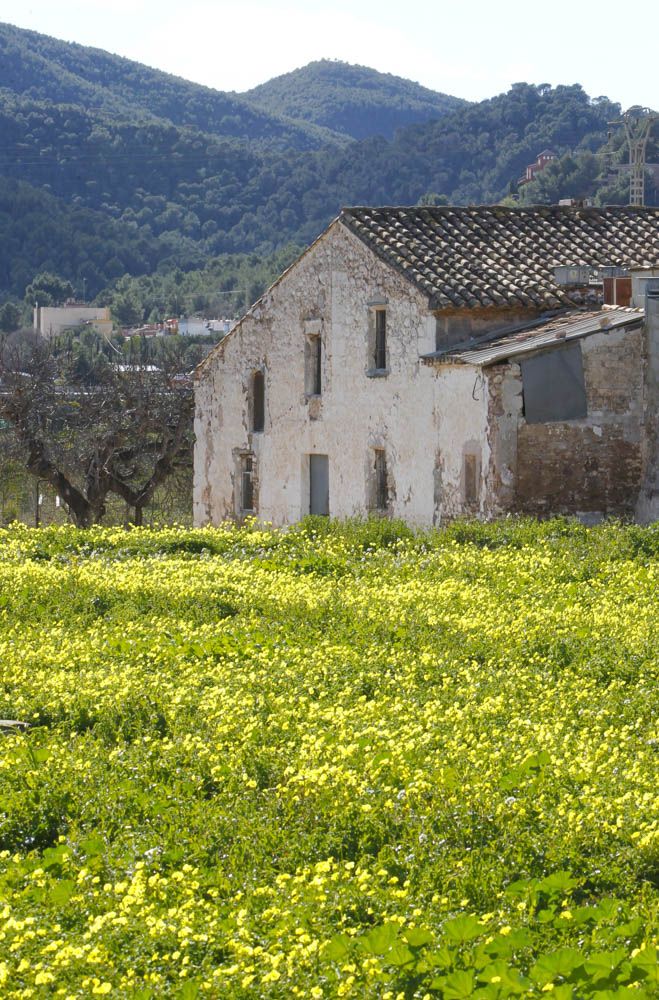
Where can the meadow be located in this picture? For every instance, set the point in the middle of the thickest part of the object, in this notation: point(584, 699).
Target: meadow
point(336, 761)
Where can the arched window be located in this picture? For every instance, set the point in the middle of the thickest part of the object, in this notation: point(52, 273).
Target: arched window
point(258, 402)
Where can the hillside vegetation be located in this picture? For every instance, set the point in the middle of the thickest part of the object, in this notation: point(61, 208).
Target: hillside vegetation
point(355, 100)
point(46, 69)
point(181, 173)
point(337, 761)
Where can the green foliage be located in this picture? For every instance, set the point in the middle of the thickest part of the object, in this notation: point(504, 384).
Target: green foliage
point(226, 286)
point(63, 73)
point(334, 761)
point(48, 290)
point(354, 100)
point(109, 168)
point(580, 176)
point(10, 317)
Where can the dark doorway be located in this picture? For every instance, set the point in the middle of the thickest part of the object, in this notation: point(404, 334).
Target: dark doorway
point(319, 485)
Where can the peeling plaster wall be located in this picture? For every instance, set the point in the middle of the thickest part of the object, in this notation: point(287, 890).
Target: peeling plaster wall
point(647, 509)
point(422, 417)
point(590, 466)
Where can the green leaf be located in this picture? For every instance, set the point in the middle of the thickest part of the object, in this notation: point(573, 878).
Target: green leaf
point(558, 883)
point(602, 964)
point(584, 914)
point(505, 977)
point(621, 993)
point(417, 937)
point(338, 947)
point(189, 990)
point(521, 887)
point(463, 928)
point(504, 945)
point(441, 958)
point(379, 940)
point(62, 891)
point(458, 985)
point(645, 964)
point(92, 846)
point(558, 963)
point(629, 929)
point(400, 955)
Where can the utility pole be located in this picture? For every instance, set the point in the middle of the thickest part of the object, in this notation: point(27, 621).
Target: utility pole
point(637, 123)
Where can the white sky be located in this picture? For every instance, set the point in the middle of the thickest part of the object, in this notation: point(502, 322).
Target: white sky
point(469, 48)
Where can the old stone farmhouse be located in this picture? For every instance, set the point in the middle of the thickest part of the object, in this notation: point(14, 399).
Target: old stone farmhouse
point(427, 363)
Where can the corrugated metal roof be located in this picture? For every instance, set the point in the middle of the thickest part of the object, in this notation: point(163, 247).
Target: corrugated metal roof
point(552, 333)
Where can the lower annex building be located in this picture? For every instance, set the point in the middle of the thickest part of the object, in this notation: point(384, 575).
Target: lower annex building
point(428, 363)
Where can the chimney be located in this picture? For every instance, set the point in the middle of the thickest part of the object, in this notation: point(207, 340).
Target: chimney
point(647, 508)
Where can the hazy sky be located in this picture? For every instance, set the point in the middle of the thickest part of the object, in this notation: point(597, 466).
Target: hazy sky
point(470, 48)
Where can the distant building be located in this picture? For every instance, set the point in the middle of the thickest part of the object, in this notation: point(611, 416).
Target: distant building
point(49, 321)
point(541, 161)
point(189, 326)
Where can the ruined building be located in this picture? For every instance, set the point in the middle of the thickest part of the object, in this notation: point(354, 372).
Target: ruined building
point(427, 363)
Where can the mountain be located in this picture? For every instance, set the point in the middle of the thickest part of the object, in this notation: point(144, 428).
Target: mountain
point(45, 69)
point(352, 100)
point(105, 167)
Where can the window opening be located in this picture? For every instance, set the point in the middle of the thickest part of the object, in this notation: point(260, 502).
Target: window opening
point(247, 483)
point(471, 478)
point(258, 402)
point(381, 486)
point(380, 355)
point(553, 386)
point(314, 374)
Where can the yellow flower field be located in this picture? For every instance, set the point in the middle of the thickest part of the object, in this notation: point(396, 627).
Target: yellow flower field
point(337, 761)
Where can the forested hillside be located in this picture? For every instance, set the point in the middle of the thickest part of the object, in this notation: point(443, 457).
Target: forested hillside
point(354, 100)
point(126, 170)
point(46, 69)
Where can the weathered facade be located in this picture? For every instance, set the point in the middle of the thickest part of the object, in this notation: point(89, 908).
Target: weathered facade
point(397, 368)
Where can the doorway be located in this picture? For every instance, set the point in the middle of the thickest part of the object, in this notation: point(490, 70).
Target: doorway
point(319, 485)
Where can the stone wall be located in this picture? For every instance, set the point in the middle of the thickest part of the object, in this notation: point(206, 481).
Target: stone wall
point(430, 422)
point(589, 467)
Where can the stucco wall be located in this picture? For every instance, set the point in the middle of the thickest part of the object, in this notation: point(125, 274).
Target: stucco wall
point(589, 466)
point(422, 417)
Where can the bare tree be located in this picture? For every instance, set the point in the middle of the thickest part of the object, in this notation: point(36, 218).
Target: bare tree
point(118, 428)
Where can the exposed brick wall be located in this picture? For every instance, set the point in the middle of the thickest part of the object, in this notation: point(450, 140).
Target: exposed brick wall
point(568, 468)
point(578, 466)
point(591, 465)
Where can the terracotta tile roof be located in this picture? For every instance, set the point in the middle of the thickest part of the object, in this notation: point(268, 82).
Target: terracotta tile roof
point(503, 256)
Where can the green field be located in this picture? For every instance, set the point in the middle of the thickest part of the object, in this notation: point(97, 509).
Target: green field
point(338, 761)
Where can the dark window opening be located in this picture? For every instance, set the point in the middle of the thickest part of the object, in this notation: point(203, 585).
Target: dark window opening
point(471, 478)
point(317, 365)
point(258, 402)
point(553, 386)
point(314, 373)
point(381, 485)
point(247, 483)
point(380, 354)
